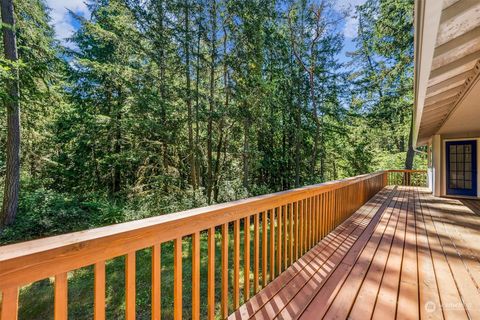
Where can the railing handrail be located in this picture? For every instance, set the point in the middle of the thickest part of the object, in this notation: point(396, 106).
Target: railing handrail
point(407, 170)
point(58, 254)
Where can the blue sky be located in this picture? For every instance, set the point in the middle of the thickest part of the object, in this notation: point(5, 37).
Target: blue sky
point(61, 20)
point(65, 25)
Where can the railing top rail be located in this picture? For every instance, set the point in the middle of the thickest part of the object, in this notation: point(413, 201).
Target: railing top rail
point(53, 255)
point(407, 170)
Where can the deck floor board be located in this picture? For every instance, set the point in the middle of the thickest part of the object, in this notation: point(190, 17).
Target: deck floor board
point(405, 255)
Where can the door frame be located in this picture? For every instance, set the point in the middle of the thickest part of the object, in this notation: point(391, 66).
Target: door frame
point(459, 192)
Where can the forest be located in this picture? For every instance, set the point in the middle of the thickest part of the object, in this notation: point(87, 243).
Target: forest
point(157, 106)
point(160, 105)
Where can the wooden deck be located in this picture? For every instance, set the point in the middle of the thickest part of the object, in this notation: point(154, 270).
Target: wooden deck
point(404, 254)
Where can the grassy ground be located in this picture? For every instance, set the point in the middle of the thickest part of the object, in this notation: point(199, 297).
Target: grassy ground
point(36, 300)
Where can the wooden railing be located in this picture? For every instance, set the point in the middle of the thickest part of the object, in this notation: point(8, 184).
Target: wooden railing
point(277, 229)
point(414, 178)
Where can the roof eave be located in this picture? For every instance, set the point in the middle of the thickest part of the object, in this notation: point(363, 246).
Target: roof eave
point(427, 20)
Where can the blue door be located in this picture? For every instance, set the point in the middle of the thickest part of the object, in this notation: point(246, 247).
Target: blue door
point(462, 168)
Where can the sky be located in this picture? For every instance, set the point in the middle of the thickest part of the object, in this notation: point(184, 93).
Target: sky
point(65, 25)
point(61, 20)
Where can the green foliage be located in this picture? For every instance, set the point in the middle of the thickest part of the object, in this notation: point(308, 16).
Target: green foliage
point(46, 212)
point(382, 79)
point(152, 114)
point(159, 106)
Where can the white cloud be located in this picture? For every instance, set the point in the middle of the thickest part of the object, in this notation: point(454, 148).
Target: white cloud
point(347, 7)
point(61, 19)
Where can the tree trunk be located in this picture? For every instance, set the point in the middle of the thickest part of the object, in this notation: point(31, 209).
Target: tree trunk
point(216, 188)
point(410, 151)
point(197, 106)
point(163, 88)
point(216, 174)
point(193, 174)
point(117, 146)
point(12, 177)
point(211, 100)
point(246, 150)
point(298, 137)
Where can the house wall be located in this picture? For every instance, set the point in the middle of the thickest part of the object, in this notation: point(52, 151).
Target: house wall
point(438, 169)
point(430, 172)
point(436, 165)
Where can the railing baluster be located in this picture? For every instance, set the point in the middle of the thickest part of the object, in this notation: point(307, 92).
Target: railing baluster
point(318, 219)
point(130, 294)
point(156, 282)
point(196, 276)
point(323, 217)
point(307, 224)
point(279, 240)
point(211, 273)
point(300, 230)
point(314, 225)
point(331, 207)
point(285, 237)
point(315, 219)
point(272, 244)
point(9, 304)
point(177, 279)
point(290, 237)
point(305, 227)
point(246, 258)
point(256, 251)
point(336, 209)
point(264, 248)
point(61, 297)
point(225, 239)
point(326, 213)
point(312, 222)
point(297, 229)
point(236, 264)
point(341, 203)
point(99, 291)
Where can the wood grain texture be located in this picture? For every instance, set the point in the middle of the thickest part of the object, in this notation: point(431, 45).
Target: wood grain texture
point(407, 255)
point(177, 279)
point(291, 225)
point(211, 273)
point(301, 228)
point(61, 297)
point(279, 241)
point(156, 281)
point(130, 286)
point(236, 264)
point(225, 241)
point(9, 304)
point(285, 238)
point(196, 276)
point(269, 302)
point(30, 261)
point(99, 291)
point(246, 258)
point(290, 233)
point(297, 230)
point(256, 252)
point(272, 245)
point(264, 248)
